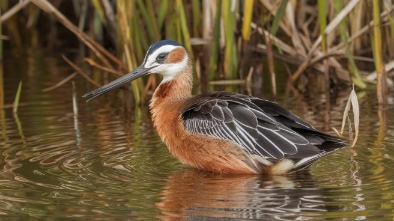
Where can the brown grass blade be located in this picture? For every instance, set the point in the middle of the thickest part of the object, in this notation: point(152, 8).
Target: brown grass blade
point(279, 43)
point(227, 82)
point(60, 83)
point(75, 111)
point(273, 10)
point(372, 76)
point(271, 67)
point(356, 115)
point(94, 64)
point(353, 103)
point(99, 50)
point(13, 10)
point(295, 36)
point(333, 24)
point(79, 70)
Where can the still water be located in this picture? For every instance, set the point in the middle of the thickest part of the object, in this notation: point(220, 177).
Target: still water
point(109, 164)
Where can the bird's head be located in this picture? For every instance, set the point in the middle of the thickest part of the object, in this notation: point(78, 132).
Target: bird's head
point(164, 57)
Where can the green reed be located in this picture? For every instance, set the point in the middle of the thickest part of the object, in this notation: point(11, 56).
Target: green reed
point(17, 98)
point(1, 40)
point(356, 77)
point(378, 54)
point(314, 41)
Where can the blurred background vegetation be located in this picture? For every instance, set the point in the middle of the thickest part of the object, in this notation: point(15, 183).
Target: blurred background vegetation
point(345, 42)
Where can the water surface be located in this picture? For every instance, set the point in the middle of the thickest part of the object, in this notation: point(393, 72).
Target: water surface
point(109, 163)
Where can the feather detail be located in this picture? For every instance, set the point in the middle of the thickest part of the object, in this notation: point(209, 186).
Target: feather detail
point(261, 128)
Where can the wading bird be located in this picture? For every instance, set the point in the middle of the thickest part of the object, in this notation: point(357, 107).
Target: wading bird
point(221, 131)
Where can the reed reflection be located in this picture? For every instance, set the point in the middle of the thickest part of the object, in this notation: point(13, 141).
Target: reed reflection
point(195, 194)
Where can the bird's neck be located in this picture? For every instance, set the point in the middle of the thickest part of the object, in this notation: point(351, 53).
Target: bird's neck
point(168, 100)
point(177, 89)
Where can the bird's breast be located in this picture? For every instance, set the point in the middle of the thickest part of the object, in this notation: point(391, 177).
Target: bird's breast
point(200, 151)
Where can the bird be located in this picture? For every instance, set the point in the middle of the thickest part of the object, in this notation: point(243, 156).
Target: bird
point(223, 132)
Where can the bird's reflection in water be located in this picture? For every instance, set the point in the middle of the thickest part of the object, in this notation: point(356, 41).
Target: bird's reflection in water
point(193, 194)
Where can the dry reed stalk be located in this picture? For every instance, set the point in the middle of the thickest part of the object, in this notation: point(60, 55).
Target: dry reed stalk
point(12, 11)
point(1, 45)
point(295, 36)
point(377, 46)
point(227, 82)
point(1, 85)
point(75, 111)
point(279, 43)
point(213, 66)
point(333, 24)
point(99, 50)
point(60, 83)
point(273, 10)
point(278, 17)
point(141, 23)
point(111, 20)
point(343, 26)
point(94, 64)
point(271, 66)
point(373, 75)
point(80, 71)
point(361, 32)
point(356, 17)
point(127, 37)
point(382, 116)
point(322, 15)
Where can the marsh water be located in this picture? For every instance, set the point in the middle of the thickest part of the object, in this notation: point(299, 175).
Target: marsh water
point(108, 163)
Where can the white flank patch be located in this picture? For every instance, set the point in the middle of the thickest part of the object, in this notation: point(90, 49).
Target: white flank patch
point(261, 160)
point(282, 166)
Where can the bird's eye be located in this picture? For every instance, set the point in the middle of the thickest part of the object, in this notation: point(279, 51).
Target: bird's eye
point(161, 57)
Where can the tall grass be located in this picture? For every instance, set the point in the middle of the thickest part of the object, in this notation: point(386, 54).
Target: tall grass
point(356, 78)
point(1, 63)
point(1, 39)
point(17, 98)
point(378, 54)
point(315, 35)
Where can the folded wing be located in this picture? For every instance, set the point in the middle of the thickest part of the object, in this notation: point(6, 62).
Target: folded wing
point(260, 127)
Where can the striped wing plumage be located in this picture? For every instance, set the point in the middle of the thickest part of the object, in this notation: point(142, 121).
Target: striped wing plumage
point(261, 127)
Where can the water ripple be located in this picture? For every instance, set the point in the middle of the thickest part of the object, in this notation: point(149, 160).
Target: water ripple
point(116, 167)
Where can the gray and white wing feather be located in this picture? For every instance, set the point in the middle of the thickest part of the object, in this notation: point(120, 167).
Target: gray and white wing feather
point(260, 127)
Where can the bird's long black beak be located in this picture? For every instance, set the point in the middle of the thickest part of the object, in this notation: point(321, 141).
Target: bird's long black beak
point(137, 73)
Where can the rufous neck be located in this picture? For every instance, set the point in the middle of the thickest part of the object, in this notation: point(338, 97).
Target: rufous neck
point(178, 88)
